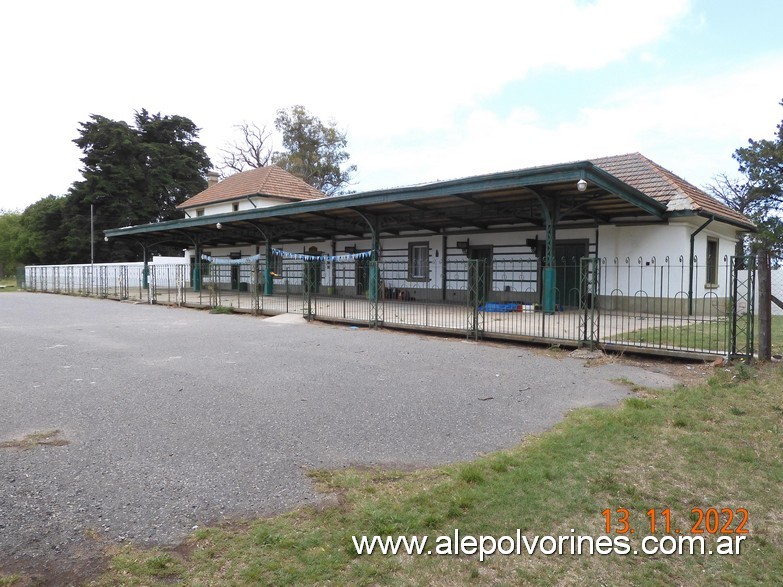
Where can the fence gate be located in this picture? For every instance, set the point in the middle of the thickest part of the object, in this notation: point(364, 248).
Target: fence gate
point(741, 307)
point(477, 292)
point(589, 289)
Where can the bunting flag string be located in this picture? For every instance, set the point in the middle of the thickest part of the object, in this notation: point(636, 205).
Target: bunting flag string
point(225, 261)
point(287, 255)
point(303, 257)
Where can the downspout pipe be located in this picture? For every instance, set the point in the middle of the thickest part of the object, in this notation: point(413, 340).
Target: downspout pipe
point(690, 262)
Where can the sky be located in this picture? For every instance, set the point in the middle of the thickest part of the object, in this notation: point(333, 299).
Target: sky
point(425, 91)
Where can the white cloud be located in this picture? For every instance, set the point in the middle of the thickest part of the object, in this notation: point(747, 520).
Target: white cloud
point(390, 72)
point(423, 62)
point(690, 126)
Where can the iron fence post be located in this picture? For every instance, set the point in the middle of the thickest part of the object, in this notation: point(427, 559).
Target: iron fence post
point(374, 289)
point(743, 293)
point(475, 287)
point(588, 299)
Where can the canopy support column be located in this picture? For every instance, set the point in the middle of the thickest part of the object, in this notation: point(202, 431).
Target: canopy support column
point(375, 282)
point(551, 211)
point(145, 272)
point(267, 266)
point(268, 284)
point(197, 267)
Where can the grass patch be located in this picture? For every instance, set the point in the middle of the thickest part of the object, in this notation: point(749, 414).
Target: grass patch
point(777, 335)
point(707, 336)
point(221, 310)
point(7, 284)
point(149, 566)
point(9, 580)
point(716, 445)
point(634, 387)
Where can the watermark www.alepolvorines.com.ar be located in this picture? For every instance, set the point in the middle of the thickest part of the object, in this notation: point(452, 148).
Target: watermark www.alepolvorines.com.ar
point(570, 544)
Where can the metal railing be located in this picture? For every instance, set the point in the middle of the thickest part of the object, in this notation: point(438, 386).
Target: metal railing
point(638, 303)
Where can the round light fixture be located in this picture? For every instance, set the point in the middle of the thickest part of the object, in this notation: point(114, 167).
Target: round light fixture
point(581, 185)
point(218, 226)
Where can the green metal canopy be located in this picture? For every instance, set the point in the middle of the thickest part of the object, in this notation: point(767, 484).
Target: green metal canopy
point(528, 199)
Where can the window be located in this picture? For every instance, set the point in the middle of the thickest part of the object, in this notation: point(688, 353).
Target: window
point(199, 211)
point(712, 262)
point(235, 207)
point(418, 261)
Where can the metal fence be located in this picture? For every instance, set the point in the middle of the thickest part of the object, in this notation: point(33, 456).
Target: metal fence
point(669, 306)
point(776, 278)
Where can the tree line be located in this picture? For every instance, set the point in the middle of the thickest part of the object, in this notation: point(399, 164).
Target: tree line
point(757, 192)
point(138, 173)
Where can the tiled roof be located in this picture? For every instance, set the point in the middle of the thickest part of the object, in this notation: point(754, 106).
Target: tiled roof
point(661, 184)
point(263, 181)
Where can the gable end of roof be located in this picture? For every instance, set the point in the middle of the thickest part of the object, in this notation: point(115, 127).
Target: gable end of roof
point(678, 195)
point(270, 181)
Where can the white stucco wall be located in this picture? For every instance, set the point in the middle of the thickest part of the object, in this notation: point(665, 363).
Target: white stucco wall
point(515, 265)
point(648, 261)
point(654, 260)
point(90, 276)
point(244, 204)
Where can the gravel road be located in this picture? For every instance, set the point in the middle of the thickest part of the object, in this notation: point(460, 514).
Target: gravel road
point(172, 418)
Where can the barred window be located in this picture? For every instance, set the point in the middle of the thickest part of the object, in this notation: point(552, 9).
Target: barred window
point(712, 261)
point(418, 261)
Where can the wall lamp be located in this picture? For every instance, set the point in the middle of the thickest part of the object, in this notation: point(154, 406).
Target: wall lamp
point(218, 226)
point(581, 185)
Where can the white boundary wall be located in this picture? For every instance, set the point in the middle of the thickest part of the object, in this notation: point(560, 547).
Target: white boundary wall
point(777, 291)
point(87, 275)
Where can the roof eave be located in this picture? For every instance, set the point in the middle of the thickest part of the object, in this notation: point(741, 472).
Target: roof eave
point(184, 207)
point(531, 177)
point(746, 226)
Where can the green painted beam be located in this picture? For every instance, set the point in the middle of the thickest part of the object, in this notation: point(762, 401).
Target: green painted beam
point(455, 188)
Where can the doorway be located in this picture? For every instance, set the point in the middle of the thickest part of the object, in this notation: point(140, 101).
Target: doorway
point(235, 271)
point(312, 272)
point(567, 271)
point(362, 276)
point(480, 274)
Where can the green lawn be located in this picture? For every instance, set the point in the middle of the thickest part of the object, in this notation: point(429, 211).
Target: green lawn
point(717, 445)
point(7, 284)
point(707, 336)
point(777, 335)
